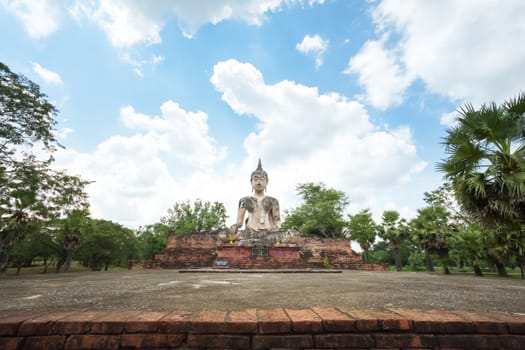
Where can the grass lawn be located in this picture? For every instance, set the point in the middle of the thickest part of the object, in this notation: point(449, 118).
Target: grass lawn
point(75, 267)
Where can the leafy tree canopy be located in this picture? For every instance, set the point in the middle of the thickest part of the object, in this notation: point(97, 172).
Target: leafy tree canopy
point(486, 161)
point(31, 193)
point(199, 217)
point(321, 212)
point(363, 230)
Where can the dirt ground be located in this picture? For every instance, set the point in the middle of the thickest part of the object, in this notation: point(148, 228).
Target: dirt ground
point(168, 290)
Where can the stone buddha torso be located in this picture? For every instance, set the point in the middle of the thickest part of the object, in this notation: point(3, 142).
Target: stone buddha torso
point(263, 213)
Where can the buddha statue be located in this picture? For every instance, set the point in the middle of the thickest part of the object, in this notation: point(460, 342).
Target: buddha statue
point(263, 211)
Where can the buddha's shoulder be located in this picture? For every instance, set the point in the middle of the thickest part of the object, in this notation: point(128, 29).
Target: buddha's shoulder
point(248, 203)
point(271, 199)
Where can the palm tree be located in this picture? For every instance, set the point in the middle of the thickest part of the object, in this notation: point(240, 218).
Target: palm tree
point(431, 230)
point(486, 165)
point(394, 230)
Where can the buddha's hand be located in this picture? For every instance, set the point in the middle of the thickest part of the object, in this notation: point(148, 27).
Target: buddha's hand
point(233, 229)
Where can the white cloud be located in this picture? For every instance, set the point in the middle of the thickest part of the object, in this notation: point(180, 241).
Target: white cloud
point(40, 18)
point(139, 64)
point(306, 136)
point(134, 180)
point(126, 23)
point(48, 76)
point(63, 133)
point(193, 14)
point(449, 119)
point(380, 74)
point(313, 45)
point(458, 49)
point(131, 22)
point(178, 132)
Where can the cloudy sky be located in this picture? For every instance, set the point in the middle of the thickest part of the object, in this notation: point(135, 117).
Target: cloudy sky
point(162, 101)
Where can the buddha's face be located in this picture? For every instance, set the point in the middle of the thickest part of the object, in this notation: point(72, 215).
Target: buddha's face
point(259, 182)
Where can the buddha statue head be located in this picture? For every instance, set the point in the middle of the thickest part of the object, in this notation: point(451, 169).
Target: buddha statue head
point(259, 179)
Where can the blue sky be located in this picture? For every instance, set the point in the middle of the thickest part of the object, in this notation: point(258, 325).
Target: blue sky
point(163, 101)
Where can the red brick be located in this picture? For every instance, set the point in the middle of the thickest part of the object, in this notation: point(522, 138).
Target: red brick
point(86, 342)
point(468, 341)
point(511, 341)
point(437, 321)
point(305, 321)
point(151, 340)
point(370, 320)
point(209, 322)
point(241, 321)
point(109, 323)
point(41, 325)
point(44, 342)
point(9, 323)
point(10, 343)
point(404, 341)
point(218, 341)
point(76, 323)
point(273, 321)
point(484, 323)
point(515, 323)
point(282, 341)
point(334, 320)
point(343, 341)
point(143, 322)
point(176, 322)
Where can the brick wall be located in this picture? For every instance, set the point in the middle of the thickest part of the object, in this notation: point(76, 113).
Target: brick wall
point(199, 250)
point(315, 328)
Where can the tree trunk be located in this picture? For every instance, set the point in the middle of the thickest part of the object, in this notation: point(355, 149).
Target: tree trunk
point(521, 263)
point(365, 256)
point(477, 270)
point(6, 248)
point(18, 267)
point(70, 244)
point(428, 262)
point(59, 264)
point(443, 257)
point(501, 269)
point(45, 265)
point(4, 259)
point(397, 255)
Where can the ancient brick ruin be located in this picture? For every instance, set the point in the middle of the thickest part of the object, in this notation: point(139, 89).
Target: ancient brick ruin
point(203, 250)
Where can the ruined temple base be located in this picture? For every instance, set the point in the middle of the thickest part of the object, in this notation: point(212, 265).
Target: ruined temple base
point(256, 250)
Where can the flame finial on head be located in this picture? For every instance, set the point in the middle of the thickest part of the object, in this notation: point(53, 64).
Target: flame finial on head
point(259, 171)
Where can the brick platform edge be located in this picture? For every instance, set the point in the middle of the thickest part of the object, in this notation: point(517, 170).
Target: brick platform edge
point(315, 328)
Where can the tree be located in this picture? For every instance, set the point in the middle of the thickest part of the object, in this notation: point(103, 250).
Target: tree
point(68, 235)
point(393, 229)
point(321, 212)
point(486, 166)
point(31, 193)
point(363, 229)
point(467, 245)
point(202, 216)
point(430, 230)
point(35, 244)
point(152, 239)
point(107, 243)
